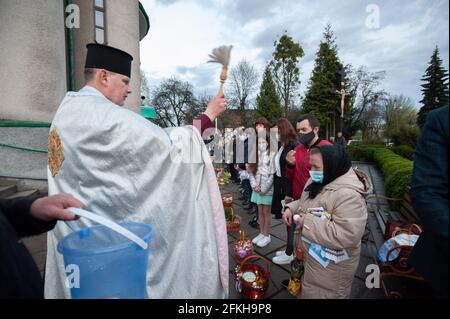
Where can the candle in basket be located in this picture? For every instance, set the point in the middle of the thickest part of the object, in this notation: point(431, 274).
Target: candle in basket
point(243, 247)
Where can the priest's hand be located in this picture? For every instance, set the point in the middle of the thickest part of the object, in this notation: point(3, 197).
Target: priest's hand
point(216, 106)
point(54, 207)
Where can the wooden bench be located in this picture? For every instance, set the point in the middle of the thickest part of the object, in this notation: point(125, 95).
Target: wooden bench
point(382, 222)
point(379, 207)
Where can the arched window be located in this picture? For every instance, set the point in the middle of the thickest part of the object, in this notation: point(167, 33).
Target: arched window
point(99, 21)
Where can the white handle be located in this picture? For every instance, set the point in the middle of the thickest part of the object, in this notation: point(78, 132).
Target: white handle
point(110, 224)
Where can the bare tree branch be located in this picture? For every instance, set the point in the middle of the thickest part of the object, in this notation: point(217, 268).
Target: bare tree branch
point(174, 102)
point(242, 86)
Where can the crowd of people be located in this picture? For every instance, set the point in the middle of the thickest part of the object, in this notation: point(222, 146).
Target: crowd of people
point(313, 178)
point(300, 173)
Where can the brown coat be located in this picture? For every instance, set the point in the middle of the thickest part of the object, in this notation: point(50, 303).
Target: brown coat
point(344, 200)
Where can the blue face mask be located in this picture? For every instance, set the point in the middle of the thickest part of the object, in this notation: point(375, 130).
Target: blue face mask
point(316, 176)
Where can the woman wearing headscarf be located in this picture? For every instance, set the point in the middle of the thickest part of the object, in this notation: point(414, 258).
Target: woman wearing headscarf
point(338, 190)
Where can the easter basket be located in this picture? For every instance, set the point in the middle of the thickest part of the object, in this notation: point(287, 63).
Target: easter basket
point(233, 220)
point(243, 248)
point(227, 200)
point(223, 178)
point(252, 280)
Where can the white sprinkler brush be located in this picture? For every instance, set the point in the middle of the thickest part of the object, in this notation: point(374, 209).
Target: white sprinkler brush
point(221, 55)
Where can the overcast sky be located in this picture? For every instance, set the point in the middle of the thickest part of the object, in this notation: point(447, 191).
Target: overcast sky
point(183, 33)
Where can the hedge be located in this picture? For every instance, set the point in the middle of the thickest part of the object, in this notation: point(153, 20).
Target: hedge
point(397, 170)
point(404, 151)
point(363, 153)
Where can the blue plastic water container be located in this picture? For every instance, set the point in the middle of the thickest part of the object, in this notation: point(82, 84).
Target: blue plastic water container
point(110, 265)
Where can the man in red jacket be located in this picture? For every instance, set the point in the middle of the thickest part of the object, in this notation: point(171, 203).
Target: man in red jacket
point(298, 167)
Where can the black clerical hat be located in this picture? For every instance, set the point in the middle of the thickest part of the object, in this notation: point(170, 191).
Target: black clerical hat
point(105, 57)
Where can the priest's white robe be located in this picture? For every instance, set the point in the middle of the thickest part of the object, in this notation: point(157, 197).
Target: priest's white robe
point(123, 167)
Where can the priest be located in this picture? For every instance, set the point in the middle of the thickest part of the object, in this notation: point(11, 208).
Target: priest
point(124, 167)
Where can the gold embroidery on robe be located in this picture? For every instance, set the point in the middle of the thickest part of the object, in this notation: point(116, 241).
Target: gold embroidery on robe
point(55, 152)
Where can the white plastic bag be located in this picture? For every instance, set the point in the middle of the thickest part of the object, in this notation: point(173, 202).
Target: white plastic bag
point(399, 240)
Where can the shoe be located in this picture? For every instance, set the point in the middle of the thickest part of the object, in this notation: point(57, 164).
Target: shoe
point(282, 259)
point(254, 223)
point(249, 206)
point(257, 238)
point(241, 198)
point(280, 252)
point(263, 242)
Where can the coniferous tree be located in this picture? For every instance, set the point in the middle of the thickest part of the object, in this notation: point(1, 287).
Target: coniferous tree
point(435, 88)
point(320, 98)
point(268, 102)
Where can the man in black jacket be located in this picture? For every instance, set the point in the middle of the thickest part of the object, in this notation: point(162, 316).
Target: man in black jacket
point(429, 196)
point(341, 140)
point(22, 217)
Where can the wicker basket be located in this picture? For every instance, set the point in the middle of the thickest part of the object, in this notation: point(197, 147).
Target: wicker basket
point(234, 224)
point(227, 200)
point(252, 280)
point(233, 221)
point(222, 177)
point(243, 248)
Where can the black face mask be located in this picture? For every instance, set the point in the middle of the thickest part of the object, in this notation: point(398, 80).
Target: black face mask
point(305, 139)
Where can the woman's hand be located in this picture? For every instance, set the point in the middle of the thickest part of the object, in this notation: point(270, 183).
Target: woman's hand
point(257, 189)
point(287, 217)
point(299, 220)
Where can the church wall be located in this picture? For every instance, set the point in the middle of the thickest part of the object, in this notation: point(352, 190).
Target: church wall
point(33, 59)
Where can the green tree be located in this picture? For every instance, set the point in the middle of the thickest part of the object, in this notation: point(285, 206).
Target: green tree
point(350, 110)
point(286, 72)
point(321, 99)
point(400, 121)
point(435, 88)
point(267, 101)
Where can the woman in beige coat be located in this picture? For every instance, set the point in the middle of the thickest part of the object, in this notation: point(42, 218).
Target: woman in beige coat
point(340, 190)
